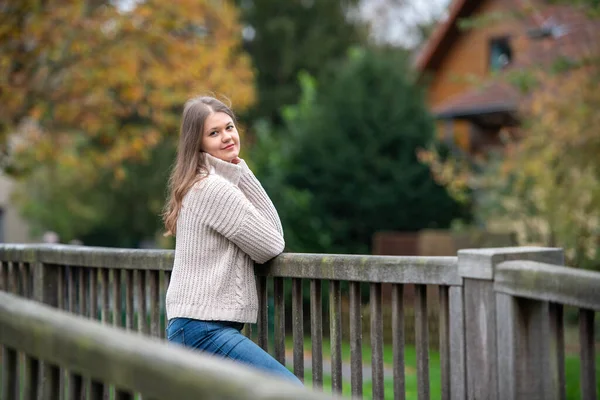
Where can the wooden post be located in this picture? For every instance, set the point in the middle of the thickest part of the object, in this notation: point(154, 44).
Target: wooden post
point(499, 327)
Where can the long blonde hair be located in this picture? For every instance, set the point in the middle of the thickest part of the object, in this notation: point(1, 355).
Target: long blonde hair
point(190, 165)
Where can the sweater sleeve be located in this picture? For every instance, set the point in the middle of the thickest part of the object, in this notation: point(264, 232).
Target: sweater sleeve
point(224, 208)
point(256, 194)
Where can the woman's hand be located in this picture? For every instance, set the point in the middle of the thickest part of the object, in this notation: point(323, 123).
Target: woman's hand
point(236, 160)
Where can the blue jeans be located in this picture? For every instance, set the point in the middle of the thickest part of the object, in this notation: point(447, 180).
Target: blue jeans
point(225, 339)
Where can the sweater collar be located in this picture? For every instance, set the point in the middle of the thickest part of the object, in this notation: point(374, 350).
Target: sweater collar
point(227, 170)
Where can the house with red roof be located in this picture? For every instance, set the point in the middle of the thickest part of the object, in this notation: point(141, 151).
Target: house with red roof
point(509, 36)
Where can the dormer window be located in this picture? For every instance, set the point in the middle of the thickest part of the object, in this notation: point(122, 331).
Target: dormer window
point(500, 53)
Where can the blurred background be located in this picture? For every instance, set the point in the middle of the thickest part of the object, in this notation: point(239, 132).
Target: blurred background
point(411, 127)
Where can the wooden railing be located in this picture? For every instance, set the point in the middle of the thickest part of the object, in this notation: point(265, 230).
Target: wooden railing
point(500, 322)
point(40, 343)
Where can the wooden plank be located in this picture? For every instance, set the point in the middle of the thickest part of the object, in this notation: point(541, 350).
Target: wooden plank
point(587, 354)
point(162, 306)
point(507, 345)
point(76, 388)
point(96, 390)
point(279, 322)
point(154, 303)
point(24, 280)
point(140, 283)
point(104, 257)
point(131, 362)
point(263, 327)
point(316, 332)
point(4, 275)
point(540, 281)
point(61, 290)
point(129, 295)
point(444, 331)
point(9, 373)
point(361, 268)
point(31, 383)
point(71, 292)
point(30, 278)
point(457, 344)
point(298, 328)
point(83, 291)
point(356, 367)
point(104, 295)
point(557, 340)
point(398, 341)
point(167, 280)
point(335, 335)
point(480, 329)
point(376, 340)
point(116, 295)
point(93, 275)
point(51, 389)
point(13, 278)
point(422, 342)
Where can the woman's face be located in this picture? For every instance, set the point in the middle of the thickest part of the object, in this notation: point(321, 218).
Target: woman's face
point(220, 138)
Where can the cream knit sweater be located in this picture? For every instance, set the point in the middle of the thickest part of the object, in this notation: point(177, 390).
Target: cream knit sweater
point(226, 222)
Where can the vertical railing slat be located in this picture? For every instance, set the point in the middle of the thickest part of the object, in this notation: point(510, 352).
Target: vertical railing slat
point(154, 303)
point(29, 273)
point(51, 384)
point(422, 342)
point(398, 341)
point(557, 338)
point(162, 304)
point(587, 354)
point(279, 319)
point(4, 276)
point(75, 386)
point(376, 340)
point(31, 384)
point(444, 330)
point(96, 390)
point(104, 295)
point(335, 335)
point(117, 302)
point(24, 281)
point(13, 283)
point(356, 367)
point(9, 373)
point(129, 293)
point(141, 300)
point(298, 328)
point(72, 298)
point(73, 380)
point(93, 278)
point(263, 327)
point(166, 279)
point(83, 291)
point(316, 332)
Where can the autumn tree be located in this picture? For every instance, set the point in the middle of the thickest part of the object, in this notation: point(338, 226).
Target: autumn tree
point(85, 82)
point(91, 96)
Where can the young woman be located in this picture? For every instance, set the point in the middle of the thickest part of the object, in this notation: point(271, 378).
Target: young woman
point(224, 221)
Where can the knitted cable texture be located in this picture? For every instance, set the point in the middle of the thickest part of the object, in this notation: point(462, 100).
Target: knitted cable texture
point(226, 223)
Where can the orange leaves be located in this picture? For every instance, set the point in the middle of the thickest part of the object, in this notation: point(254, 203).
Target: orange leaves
point(115, 81)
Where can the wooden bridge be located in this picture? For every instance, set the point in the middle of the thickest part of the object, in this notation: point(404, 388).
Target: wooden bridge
point(84, 322)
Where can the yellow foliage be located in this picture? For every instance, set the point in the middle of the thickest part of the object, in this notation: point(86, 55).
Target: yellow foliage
point(83, 71)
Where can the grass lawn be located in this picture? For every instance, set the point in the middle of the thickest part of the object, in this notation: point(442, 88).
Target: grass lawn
point(410, 358)
point(571, 371)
